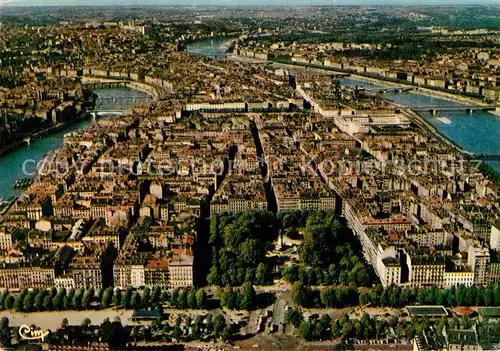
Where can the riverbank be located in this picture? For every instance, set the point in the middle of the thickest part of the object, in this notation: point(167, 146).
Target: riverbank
point(44, 132)
point(462, 146)
point(153, 90)
point(454, 97)
point(52, 320)
point(13, 163)
point(422, 123)
point(418, 90)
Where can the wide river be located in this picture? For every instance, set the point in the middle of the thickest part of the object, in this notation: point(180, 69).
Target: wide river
point(14, 164)
point(212, 47)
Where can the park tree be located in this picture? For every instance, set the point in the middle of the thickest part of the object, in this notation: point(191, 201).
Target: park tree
point(201, 298)
point(195, 332)
point(155, 297)
point(306, 330)
point(230, 298)
point(117, 298)
point(78, 299)
point(346, 296)
point(127, 297)
point(250, 275)
point(28, 302)
point(38, 301)
point(5, 335)
point(441, 325)
point(249, 252)
point(18, 302)
point(347, 329)
point(136, 302)
point(86, 298)
point(291, 273)
point(191, 298)
point(165, 297)
point(302, 295)
point(182, 301)
point(134, 333)
point(219, 325)
point(4, 294)
point(465, 322)
point(214, 276)
point(68, 299)
point(336, 329)
point(228, 333)
point(364, 298)
point(174, 297)
point(86, 323)
point(214, 230)
point(496, 296)
point(322, 328)
point(107, 297)
point(319, 238)
point(113, 333)
point(58, 299)
point(146, 296)
point(329, 297)
point(294, 317)
point(488, 296)
point(248, 297)
point(47, 303)
point(53, 292)
point(177, 333)
point(261, 274)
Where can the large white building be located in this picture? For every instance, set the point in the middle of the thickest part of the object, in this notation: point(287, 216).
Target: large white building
point(495, 236)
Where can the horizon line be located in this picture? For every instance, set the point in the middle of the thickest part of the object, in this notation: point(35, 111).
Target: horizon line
point(443, 4)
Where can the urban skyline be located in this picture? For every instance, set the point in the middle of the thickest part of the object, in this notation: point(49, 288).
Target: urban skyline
point(222, 177)
point(245, 2)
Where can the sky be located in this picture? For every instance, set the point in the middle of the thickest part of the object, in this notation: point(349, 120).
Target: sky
point(241, 2)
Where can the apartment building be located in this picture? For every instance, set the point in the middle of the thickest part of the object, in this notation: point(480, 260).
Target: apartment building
point(87, 272)
point(425, 270)
point(17, 277)
point(5, 240)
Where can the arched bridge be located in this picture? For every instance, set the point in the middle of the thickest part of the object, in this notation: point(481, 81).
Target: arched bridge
point(467, 108)
point(392, 90)
point(134, 99)
point(111, 113)
point(486, 157)
point(105, 83)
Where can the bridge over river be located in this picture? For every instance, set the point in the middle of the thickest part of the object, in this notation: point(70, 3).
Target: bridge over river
point(484, 157)
point(120, 101)
point(36, 147)
point(107, 113)
point(467, 108)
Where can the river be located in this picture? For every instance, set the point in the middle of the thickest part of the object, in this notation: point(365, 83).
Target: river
point(11, 164)
point(212, 47)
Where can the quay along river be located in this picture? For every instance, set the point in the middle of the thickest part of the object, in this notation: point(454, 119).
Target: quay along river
point(478, 133)
point(11, 164)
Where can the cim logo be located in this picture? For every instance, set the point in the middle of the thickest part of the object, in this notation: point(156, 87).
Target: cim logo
point(32, 333)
